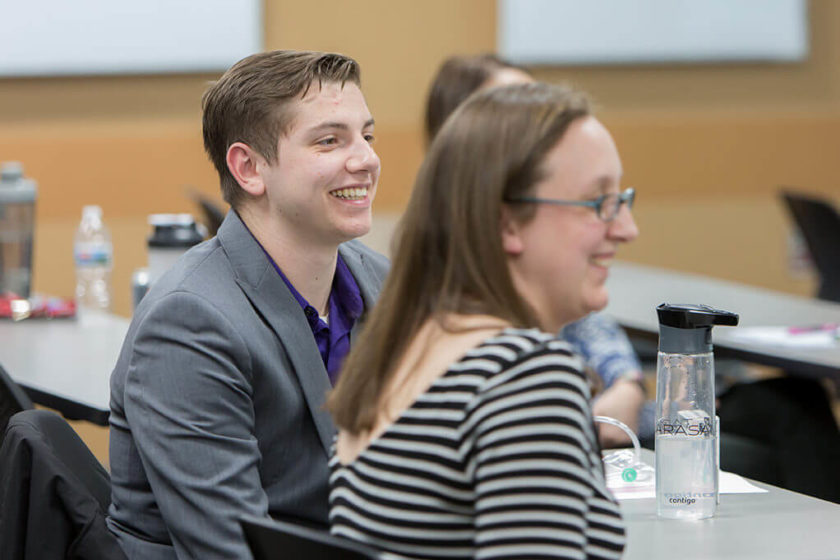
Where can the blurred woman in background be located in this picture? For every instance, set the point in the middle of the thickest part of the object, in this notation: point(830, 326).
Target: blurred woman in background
point(606, 350)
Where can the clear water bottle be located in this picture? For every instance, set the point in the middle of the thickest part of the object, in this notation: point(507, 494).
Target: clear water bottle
point(686, 425)
point(93, 254)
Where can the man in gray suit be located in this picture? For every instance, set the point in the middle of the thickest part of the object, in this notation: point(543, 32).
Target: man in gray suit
point(217, 396)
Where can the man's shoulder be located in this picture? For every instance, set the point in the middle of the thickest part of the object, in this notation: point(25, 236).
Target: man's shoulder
point(203, 278)
point(198, 300)
point(202, 269)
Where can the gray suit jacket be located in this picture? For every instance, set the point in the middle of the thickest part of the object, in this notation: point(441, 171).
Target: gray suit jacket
point(217, 402)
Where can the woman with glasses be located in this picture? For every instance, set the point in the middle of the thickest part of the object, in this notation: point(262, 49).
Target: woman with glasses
point(465, 425)
point(609, 357)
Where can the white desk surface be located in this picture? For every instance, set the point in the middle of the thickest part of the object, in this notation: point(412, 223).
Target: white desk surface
point(777, 524)
point(69, 362)
point(64, 363)
point(635, 291)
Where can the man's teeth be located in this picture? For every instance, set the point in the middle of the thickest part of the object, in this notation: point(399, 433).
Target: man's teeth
point(352, 193)
point(604, 261)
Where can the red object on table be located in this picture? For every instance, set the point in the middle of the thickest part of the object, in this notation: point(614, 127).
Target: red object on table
point(14, 307)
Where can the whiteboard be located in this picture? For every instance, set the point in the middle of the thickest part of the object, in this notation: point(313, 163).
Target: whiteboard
point(575, 32)
point(67, 37)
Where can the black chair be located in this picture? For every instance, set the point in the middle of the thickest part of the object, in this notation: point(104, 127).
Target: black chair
point(819, 223)
point(53, 491)
point(13, 399)
point(275, 540)
point(212, 213)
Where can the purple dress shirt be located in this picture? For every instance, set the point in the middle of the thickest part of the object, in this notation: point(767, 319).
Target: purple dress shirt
point(345, 306)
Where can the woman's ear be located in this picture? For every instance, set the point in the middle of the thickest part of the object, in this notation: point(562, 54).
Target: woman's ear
point(243, 163)
point(512, 242)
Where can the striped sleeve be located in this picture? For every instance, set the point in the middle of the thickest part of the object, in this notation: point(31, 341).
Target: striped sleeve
point(536, 465)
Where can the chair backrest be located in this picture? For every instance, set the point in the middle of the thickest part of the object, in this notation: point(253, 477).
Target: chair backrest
point(13, 399)
point(274, 540)
point(55, 494)
point(212, 213)
point(68, 447)
point(819, 223)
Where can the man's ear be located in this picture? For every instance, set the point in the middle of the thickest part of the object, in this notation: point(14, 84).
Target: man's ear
point(512, 242)
point(243, 163)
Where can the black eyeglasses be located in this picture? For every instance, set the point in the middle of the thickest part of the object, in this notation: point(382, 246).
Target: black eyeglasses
point(606, 205)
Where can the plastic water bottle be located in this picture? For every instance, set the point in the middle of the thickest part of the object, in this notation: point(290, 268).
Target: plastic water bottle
point(686, 441)
point(686, 425)
point(93, 254)
point(17, 226)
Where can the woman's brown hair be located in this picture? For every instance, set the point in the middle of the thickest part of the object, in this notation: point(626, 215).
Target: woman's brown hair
point(448, 250)
point(457, 78)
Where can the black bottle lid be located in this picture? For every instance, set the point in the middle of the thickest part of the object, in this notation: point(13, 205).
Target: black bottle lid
point(687, 328)
point(174, 231)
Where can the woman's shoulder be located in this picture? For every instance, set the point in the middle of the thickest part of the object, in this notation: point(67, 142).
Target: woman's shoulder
point(524, 344)
point(519, 353)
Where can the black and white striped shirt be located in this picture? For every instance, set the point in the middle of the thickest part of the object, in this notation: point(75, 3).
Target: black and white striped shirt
point(498, 459)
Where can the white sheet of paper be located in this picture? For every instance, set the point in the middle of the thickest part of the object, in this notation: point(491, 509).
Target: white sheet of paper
point(781, 336)
point(731, 483)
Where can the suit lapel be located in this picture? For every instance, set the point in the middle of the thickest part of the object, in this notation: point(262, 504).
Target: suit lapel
point(369, 282)
point(270, 296)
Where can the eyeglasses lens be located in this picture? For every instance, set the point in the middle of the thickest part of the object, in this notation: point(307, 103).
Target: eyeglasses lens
point(611, 204)
point(609, 207)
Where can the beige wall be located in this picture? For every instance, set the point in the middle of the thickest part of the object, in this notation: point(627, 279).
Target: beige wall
point(705, 145)
point(708, 147)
